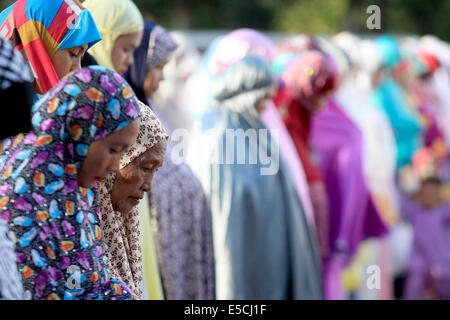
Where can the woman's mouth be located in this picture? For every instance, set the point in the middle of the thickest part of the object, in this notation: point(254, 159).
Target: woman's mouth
point(135, 200)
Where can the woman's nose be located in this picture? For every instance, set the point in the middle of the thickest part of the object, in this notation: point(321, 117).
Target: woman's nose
point(76, 66)
point(130, 60)
point(147, 186)
point(115, 166)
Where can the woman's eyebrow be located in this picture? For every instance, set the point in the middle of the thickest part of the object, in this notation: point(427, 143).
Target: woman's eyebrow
point(120, 144)
point(82, 48)
point(150, 160)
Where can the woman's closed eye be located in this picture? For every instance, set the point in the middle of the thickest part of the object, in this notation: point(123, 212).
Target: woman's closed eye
point(149, 169)
point(128, 49)
point(115, 150)
point(77, 52)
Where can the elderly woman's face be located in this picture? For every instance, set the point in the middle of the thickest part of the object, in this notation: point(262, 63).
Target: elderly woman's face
point(136, 178)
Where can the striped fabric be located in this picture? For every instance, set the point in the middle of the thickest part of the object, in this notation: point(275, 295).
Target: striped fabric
point(42, 27)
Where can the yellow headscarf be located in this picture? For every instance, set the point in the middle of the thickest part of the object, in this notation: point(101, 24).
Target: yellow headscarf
point(113, 18)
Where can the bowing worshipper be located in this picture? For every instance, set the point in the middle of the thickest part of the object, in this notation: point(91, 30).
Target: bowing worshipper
point(121, 26)
point(353, 215)
point(429, 259)
point(120, 195)
point(174, 97)
point(436, 85)
point(51, 35)
point(263, 246)
point(297, 120)
point(389, 97)
point(416, 73)
point(286, 52)
point(150, 58)
point(355, 204)
point(353, 97)
point(16, 81)
point(81, 128)
point(309, 80)
point(182, 219)
point(233, 47)
point(221, 53)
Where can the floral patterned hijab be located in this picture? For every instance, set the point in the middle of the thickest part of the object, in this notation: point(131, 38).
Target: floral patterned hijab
point(54, 222)
point(122, 231)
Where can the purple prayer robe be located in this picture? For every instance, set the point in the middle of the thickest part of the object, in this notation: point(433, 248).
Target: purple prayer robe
point(353, 216)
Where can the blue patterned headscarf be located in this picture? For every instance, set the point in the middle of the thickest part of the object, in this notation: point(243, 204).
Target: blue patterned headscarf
point(156, 45)
point(56, 223)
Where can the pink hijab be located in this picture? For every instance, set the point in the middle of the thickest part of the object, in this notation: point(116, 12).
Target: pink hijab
point(238, 44)
point(309, 75)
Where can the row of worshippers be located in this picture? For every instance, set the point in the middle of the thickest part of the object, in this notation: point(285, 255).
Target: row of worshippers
point(97, 144)
point(359, 124)
point(79, 153)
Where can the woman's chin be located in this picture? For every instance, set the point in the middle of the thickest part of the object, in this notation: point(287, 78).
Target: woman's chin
point(124, 207)
point(133, 202)
point(86, 184)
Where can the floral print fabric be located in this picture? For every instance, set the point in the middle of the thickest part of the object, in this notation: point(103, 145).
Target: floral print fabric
point(55, 223)
point(184, 237)
point(122, 230)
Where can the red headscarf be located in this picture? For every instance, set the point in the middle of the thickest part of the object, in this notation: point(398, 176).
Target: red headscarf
point(311, 74)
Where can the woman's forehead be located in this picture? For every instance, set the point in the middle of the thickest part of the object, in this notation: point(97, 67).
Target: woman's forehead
point(155, 153)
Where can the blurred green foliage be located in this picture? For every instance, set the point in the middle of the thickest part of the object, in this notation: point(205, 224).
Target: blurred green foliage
point(314, 16)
